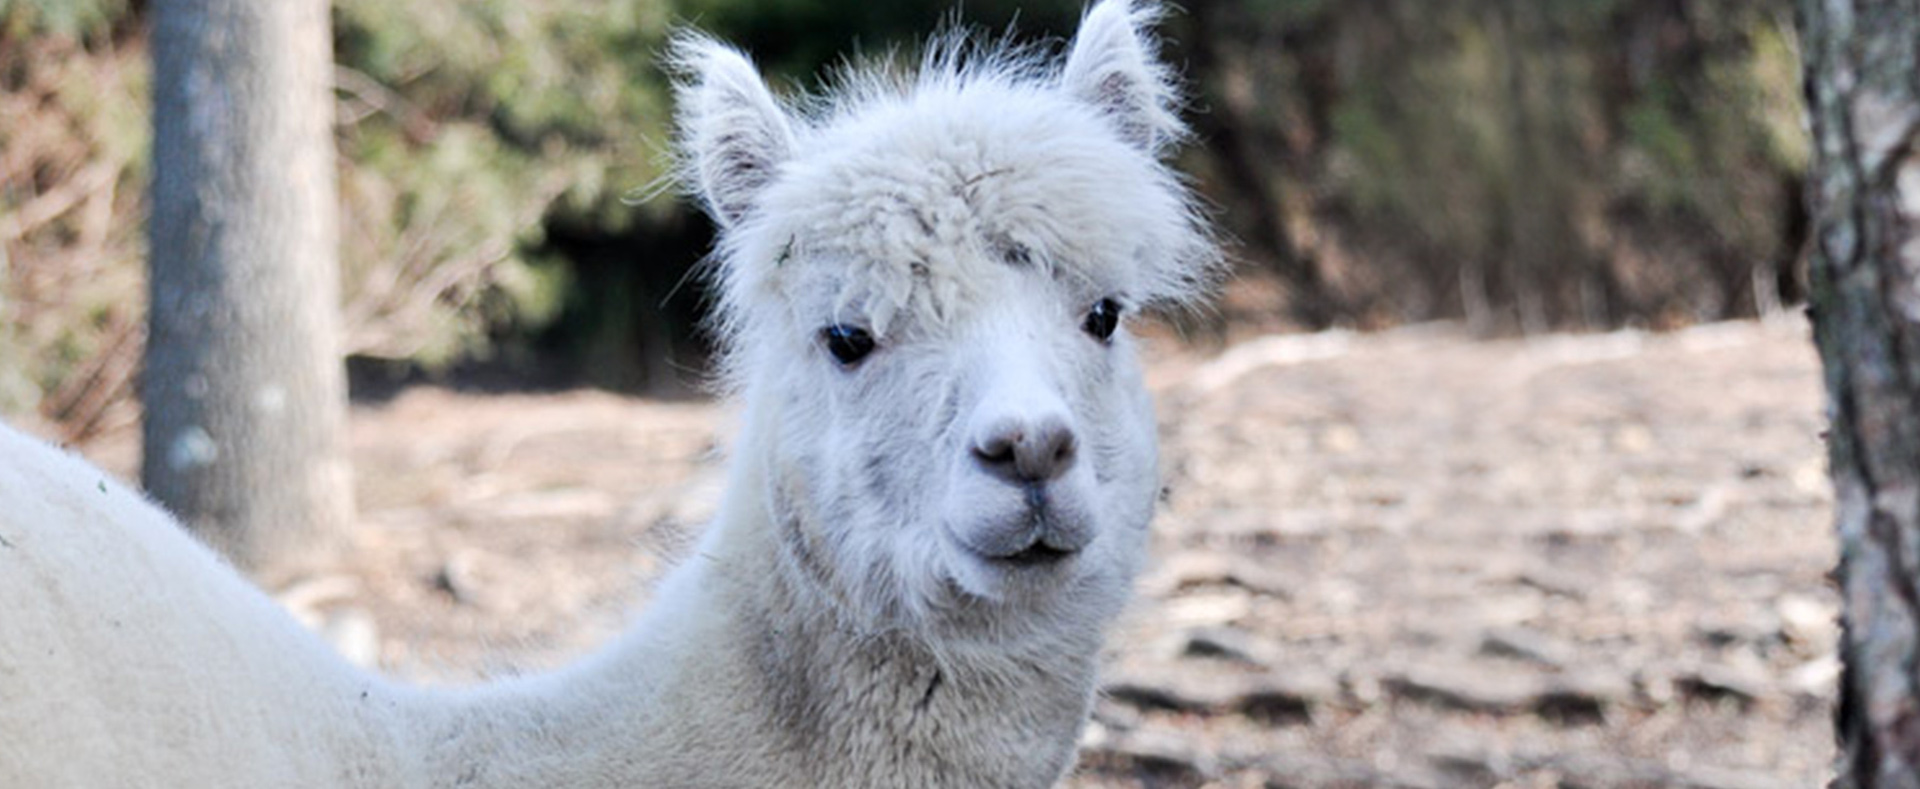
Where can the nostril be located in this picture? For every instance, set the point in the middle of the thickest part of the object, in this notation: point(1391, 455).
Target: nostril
point(997, 451)
point(1065, 451)
point(1048, 454)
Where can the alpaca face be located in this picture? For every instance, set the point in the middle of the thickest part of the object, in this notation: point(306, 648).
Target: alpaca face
point(1001, 459)
point(925, 289)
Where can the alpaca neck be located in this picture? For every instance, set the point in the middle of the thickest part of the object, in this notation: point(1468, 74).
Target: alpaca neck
point(739, 675)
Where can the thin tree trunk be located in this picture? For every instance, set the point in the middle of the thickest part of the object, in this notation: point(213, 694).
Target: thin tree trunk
point(1244, 172)
point(244, 387)
point(1863, 92)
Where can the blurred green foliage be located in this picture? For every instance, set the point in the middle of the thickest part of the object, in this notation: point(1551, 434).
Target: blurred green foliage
point(1527, 165)
point(22, 19)
point(1523, 164)
point(469, 126)
point(73, 154)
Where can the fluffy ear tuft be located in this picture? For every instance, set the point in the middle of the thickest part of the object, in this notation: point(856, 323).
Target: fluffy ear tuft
point(733, 134)
point(1114, 66)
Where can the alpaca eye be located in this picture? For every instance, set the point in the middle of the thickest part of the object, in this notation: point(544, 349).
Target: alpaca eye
point(1102, 320)
point(848, 344)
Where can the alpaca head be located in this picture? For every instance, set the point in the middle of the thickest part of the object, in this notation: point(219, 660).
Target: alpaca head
point(926, 281)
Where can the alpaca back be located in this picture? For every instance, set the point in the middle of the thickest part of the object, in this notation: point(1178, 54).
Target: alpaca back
point(127, 648)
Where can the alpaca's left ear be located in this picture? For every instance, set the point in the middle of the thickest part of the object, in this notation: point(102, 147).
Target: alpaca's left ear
point(1114, 67)
point(733, 133)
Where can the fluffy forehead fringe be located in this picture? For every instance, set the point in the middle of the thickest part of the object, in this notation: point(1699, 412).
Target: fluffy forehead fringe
point(737, 142)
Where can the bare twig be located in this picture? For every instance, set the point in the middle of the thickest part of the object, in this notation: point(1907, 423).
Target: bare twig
point(385, 316)
point(51, 204)
point(106, 378)
point(379, 98)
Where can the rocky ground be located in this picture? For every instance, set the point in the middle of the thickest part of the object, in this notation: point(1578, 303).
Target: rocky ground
point(1397, 560)
point(1409, 560)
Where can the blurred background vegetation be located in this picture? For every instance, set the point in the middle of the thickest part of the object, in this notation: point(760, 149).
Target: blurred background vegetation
point(1519, 165)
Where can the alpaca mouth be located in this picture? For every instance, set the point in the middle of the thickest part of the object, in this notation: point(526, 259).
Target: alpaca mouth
point(1044, 544)
point(1036, 555)
point(1037, 550)
point(1041, 538)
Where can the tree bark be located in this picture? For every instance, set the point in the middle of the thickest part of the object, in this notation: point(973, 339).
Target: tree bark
point(1244, 172)
point(244, 385)
point(1863, 93)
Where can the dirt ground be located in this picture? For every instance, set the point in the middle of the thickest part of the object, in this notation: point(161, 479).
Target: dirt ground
point(1399, 560)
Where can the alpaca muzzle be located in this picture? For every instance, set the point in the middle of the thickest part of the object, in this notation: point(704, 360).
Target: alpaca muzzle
point(1043, 534)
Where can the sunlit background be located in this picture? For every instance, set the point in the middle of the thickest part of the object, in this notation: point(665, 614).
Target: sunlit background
point(1520, 166)
point(1470, 483)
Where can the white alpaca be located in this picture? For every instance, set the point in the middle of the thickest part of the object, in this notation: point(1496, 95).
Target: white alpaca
point(939, 499)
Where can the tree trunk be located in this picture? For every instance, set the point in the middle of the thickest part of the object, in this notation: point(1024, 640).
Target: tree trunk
point(1863, 93)
point(244, 385)
point(1246, 174)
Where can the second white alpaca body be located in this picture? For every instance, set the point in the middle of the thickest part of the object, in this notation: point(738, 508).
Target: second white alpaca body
point(937, 502)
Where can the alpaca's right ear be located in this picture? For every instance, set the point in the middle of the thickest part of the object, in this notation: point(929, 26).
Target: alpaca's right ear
point(733, 134)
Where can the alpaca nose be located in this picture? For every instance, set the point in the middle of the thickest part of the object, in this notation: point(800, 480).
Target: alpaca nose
point(1025, 452)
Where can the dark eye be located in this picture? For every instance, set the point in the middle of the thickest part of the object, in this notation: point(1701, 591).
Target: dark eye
point(1102, 320)
point(848, 344)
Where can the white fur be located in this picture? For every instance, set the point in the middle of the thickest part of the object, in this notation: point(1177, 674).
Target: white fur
point(845, 621)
